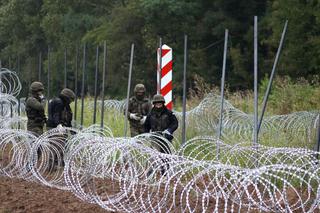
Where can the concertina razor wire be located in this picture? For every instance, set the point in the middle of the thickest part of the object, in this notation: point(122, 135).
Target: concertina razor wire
point(131, 175)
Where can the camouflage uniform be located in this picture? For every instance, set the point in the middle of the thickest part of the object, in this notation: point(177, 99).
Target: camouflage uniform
point(139, 106)
point(35, 106)
point(59, 111)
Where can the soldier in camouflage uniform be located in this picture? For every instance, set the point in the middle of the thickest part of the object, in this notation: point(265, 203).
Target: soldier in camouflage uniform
point(59, 111)
point(138, 109)
point(35, 105)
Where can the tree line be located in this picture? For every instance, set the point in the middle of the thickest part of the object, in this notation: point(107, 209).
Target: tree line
point(29, 27)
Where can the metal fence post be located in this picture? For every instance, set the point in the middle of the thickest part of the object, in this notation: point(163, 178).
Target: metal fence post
point(76, 84)
point(95, 86)
point(184, 101)
point(40, 66)
point(255, 117)
point(103, 81)
point(65, 68)
point(266, 96)
point(222, 87)
point(128, 90)
point(82, 85)
point(48, 76)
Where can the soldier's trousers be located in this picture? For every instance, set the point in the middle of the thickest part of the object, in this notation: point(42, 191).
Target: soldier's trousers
point(134, 131)
point(163, 147)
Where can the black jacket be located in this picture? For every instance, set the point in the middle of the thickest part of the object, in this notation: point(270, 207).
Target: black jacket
point(59, 112)
point(160, 121)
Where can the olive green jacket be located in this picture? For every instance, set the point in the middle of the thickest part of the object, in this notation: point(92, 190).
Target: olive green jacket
point(35, 113)
point(141, 108)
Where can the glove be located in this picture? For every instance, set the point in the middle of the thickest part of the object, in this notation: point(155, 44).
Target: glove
point(167, 135)
point(135, 117)
point(61, 129)
point(143, 120)
point(42, 97)
point(166, 132)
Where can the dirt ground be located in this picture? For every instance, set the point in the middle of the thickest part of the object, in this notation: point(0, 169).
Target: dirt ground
point(20, 196)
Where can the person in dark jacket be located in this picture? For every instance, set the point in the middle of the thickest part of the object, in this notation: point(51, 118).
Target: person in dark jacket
point(59, 111)
point(59, 115)
point(161, 121)
point(35, 105)
point(138, 109)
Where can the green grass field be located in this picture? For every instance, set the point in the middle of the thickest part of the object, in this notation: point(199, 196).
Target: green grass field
point(286, 97)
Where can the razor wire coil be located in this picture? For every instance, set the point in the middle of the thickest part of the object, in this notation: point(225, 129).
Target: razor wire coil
point(131, 175)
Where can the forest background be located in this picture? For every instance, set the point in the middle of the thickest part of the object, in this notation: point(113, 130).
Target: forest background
point(29, 27)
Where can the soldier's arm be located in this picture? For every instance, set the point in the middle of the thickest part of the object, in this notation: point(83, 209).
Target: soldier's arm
point(146, 108)
point(34, 104)
point(173, 122)
point(43, 103)
point(129, 109)
point(149, 107)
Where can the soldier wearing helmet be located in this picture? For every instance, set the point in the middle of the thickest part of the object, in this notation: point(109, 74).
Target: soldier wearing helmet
point(160, 119)
point(138, 109)
point(35, 105)
point(59, 111)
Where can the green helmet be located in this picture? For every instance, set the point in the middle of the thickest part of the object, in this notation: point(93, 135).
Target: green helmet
point(36, 86)
point(139, 88)
point(158, 99)
point(68, 93)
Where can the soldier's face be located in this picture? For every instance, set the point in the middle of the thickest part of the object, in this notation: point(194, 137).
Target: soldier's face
point(158, 105)
point(140, 95)
point(39, 93)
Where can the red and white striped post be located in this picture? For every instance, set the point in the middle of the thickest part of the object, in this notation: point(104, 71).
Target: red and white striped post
point(164, 75)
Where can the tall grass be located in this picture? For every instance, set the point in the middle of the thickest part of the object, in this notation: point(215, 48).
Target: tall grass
point(287, 96)
point(112, 118)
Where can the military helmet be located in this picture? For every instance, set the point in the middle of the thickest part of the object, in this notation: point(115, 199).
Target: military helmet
point(36, 86)
point(68, 93)
point(139, 88)
point(158, 99)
